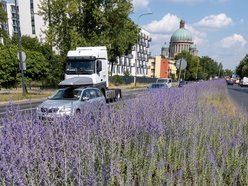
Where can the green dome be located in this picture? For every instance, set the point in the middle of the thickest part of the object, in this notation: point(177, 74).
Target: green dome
point(181, 34)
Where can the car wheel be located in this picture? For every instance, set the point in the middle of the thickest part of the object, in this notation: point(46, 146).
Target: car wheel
point(78, 111)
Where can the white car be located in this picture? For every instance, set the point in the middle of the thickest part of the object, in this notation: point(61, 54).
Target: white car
point(167, 81)
point(69, 101)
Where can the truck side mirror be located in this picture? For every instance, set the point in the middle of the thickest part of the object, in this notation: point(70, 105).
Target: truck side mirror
point(98, 66)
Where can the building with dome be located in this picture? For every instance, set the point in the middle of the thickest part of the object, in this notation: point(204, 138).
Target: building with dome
point(181, 40)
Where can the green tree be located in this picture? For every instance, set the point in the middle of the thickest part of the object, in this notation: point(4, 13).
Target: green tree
point(228, 72)
point(192, 69)
point(242, 68)
point(90, 23)
point(52, 65)
point(3, 19)
point(209, 67)
point(28, 42)
point(37, 66)
point(8, 66)
point(56, 70)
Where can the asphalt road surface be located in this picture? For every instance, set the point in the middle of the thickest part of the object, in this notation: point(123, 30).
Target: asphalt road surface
point(239, 95)
point(31, 105)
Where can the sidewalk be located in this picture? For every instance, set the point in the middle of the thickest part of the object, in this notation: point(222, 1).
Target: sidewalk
point(11, 95)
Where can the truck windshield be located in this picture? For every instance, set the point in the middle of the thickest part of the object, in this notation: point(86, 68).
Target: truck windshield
point(80, 66)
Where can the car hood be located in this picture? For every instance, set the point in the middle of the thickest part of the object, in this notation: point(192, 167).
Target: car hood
point(58, 103)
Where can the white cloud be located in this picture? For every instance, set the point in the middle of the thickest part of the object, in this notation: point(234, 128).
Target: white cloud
point(215, 21)
point(236, 40)
point(186, 1)
point(199, 38)
point(167, 24)
point(139, 4)
point(161, 31)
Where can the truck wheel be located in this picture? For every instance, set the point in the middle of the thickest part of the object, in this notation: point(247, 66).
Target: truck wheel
point(118, 96)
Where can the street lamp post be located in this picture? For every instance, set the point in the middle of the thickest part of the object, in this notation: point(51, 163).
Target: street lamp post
point(137, 44)
point(20, 48)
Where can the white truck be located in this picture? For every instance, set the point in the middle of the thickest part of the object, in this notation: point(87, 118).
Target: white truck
point(244, 82)
point(88, 67)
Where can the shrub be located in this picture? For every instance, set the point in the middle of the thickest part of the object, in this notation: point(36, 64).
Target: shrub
point(117, 80)
point(176, 137)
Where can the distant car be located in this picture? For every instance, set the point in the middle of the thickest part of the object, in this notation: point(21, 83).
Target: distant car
point(229, 82)
point(182, 83)
point(158, 86)
point(69, 101)
point(167, 81)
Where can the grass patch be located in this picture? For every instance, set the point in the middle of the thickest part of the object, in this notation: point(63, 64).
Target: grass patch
point(129, 86)
point(16, 95)
point(223, 104)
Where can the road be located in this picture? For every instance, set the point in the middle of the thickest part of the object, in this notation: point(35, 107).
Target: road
point(31, 105)
point(239, 95)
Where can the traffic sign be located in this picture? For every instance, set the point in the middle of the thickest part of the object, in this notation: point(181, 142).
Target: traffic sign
point(181, 64)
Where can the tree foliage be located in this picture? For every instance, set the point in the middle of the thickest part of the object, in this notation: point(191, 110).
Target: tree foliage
point(209, 67)
point(242, 68)
point(75, 23)
point(41, 63)
point(200, 67)
point(8, 66)
point(191, 71)
point(3, 19)
point(37, 66)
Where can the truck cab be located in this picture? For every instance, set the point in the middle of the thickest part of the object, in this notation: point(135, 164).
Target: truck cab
point(88, 66)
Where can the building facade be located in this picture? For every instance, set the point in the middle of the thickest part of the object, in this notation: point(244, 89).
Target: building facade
point(31, 24)
point(181, 40)
point(158, 67)
point(136, 63)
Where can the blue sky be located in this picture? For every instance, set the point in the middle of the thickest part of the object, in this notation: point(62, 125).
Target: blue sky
point(219, 27)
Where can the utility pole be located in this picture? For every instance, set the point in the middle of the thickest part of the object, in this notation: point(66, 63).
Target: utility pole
point(24, 90)
point(49, 13)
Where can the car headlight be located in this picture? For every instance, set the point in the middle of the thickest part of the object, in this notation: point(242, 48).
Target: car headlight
point(65, 109)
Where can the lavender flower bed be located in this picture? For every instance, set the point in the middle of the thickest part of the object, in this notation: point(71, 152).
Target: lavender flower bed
point(160, 138)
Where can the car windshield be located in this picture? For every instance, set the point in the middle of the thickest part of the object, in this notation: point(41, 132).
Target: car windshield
point(162, 80)
point(80, 66)
point(158, 85)
point(66, 94)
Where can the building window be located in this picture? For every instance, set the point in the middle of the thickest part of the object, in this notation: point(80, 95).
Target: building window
point(32, 16)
